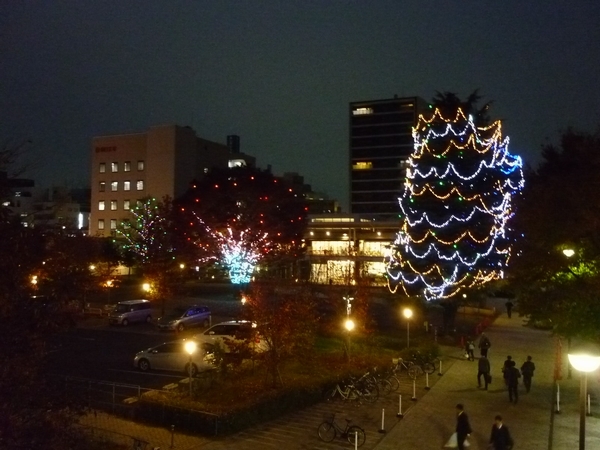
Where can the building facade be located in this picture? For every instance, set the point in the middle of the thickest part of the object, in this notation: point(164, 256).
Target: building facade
point(380, 144)
point(344, 249)
point(157, 163)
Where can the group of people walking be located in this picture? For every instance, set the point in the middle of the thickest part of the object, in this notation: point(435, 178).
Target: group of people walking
point(500, 438)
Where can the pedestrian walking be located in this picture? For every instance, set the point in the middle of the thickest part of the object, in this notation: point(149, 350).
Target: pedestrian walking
point(500, 438)
point(513, 383)
point(463, 427)
point(484, 369)
point(505, 368)
point(509, 306)
point(470, 349)
point(484, 344)
point(527, 370)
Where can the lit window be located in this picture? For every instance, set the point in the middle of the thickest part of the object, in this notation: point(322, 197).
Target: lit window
point(126, 204)
point(362, 165)
point(362, 111)
point(101, 224)
point(113, 224)
point(139, 203)
point(114, 186)
point(126, 185)
point(101, 205)
point(126, 224)
point(102, 186)
point(127, 166)
point(114, 167)
point(140, 165)
point(140, 185)
point(102, 167)
point(113, 205)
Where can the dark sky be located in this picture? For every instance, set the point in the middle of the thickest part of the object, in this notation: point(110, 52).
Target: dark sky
point(280, 73)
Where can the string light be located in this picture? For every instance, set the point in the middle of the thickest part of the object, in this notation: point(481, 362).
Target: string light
point(455, 208)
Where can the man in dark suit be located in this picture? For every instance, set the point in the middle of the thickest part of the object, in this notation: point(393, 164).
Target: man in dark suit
point(512, 380)
point(500, 438)
point(527, 370)
point(463, 428)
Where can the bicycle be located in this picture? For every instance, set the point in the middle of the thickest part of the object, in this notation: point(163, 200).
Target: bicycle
point(413, 370)
point(352, 390)
point(329, 429)
point(424, 362)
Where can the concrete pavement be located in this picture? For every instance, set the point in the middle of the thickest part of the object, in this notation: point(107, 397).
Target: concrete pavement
point(431, 422)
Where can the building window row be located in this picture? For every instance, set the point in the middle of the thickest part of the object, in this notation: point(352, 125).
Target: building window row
point(114, 205)
point(114, 166)
point(114, 186)
point(102, 224)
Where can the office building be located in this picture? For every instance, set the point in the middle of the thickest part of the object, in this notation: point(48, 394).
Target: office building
point(156, 163)
point(380, 144)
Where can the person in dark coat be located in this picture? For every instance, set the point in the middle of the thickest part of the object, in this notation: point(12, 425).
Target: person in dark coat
point(505, 368)
point(500, 437)
point(513, 382)
point(509, 306)
point(527, 370)
point(484, 369)
point(484, 344)
point(463, 428)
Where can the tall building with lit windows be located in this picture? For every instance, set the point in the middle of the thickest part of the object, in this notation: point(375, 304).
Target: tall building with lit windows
point(380, 144)
point(156, 163)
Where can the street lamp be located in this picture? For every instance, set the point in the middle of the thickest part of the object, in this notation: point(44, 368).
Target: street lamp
point(146, 287)
point(407, 312)
point(584, 362)
point(190, 347)
point(568, 252)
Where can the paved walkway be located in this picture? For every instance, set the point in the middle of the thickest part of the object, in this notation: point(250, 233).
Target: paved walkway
point(429, 421)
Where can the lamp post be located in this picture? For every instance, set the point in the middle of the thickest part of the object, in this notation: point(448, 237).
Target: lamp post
point(190, 347)
point(349, 325)
point(584, 363)
point(407, 312)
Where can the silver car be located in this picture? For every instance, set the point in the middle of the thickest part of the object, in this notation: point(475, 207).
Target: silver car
point(233, 331)
point(182, 318)
point(173, 356)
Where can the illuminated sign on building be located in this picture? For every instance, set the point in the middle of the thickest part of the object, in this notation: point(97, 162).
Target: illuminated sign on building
point(362, 111)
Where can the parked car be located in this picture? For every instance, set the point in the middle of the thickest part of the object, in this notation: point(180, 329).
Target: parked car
point(173, 356)
point(182, 318)
point(234, 330)
point(130, 311)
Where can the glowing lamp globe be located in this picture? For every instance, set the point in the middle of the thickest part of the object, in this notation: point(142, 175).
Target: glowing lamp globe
point(584, 362)
point(568, 252)
point(190, 347)
point(349, 324)
point(407, 312)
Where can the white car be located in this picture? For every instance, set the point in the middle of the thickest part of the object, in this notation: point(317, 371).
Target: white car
point(234, 330)
point(173, 356)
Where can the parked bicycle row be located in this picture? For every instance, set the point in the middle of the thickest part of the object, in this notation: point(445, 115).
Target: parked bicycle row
point(368, 387)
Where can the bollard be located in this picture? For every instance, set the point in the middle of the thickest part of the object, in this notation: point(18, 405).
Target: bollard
point(427, 381)
point(557, 411)
point(172, 436)
point(589, 406)
point(440, 371)
point(356, 440)
point(382, 429)
point(414, 397)
point(400, 415)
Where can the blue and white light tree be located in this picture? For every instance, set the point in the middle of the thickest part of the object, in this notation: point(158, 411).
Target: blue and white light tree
point(455, 208)
point(243, 217)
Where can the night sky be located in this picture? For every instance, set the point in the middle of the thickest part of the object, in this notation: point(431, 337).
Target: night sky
point(281, 73)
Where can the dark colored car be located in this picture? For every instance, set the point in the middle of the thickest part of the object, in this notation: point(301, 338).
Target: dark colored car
point(182, 318)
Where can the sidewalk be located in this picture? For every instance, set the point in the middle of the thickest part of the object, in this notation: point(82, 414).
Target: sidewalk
point(430, 423)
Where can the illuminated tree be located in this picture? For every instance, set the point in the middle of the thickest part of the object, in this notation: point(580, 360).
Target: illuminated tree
point(151, 238)
point(244, 217)
point(456, 204)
